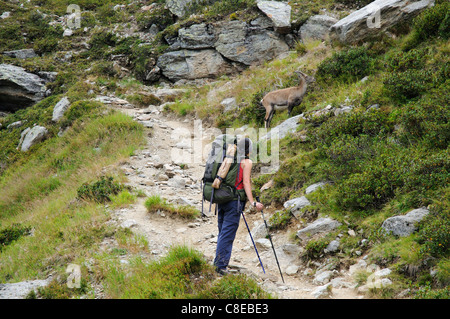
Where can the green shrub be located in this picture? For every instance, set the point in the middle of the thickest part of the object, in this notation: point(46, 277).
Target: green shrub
point(314, 248)
point(427, 170)
point(347, 65)
point(434, 235)
point(280, 219)
point(79, 109)
point(11, 37)
point(400, 61)
point(402, 86)
point(161, 16)
point(234, 287)
point(373, 186)
point(12, 233)
point(45, 45)
point(99, 191)
point(427, 120)
point(432, 22)
point(393, 171)
point(375, 122)
point(100, 43)
point(426, 292)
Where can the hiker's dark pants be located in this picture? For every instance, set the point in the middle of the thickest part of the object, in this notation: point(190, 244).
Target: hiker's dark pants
point(228, 221)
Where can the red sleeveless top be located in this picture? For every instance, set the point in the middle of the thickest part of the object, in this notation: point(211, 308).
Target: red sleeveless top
point(240, 179)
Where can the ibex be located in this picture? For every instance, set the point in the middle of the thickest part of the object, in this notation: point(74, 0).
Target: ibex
point(285, 98)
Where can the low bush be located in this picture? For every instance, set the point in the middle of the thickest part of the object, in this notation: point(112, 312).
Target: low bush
point(401, 61)
point(12, 233)
point(403, 86)
point(375, 122)
point(434, 235)
point(234, 287)
point(430, 23)
point(99, 191)
point(348, 66)
point(280, 219)
point(427, 120)
point(100, 43)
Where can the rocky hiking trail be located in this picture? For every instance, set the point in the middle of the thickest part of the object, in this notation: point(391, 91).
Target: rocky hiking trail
point(152, 171)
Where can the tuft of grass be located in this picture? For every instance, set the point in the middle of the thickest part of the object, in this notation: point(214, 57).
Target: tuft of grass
point(122, 199)
point(155, 203)
point(182, 273)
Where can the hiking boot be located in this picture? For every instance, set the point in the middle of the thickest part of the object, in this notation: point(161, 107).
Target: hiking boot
point(222, 272)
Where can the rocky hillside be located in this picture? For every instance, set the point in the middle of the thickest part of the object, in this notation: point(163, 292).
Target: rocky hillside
point(362, 185)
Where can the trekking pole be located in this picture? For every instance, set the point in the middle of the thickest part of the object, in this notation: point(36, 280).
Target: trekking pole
point(270, 238)
point(242, 212)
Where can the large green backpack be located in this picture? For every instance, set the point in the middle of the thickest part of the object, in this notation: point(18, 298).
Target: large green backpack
point(227, 190)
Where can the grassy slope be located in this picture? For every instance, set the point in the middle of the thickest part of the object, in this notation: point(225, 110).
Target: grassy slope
point(39, 189)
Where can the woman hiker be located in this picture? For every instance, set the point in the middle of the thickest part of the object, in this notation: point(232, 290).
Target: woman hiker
point(229, 214)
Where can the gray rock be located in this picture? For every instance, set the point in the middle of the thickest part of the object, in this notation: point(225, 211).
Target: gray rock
point(322, 291)
point(189, 64)
point(48, 76)
point(240, 43)
point(15, 125)
point(263, 243)
point(283, 129)
point(154, 74)
point(258, 232)
point(129, 223)
point(312, 188)
point(319, 226)
point(404, 225)
point(33, 137)
point(178, 7)
point(177, 182)
point(20, 290)
point(296, 204)
point(332, 246)
point(262, 22)
point(197, 36)
point(229, 104)
point(60, 108)
point(316, 27)
point(67, 33)
point(322, 277)
point(292, 270)
point(5, 15)
point(19, 88)
point(278, 12)
point(21, 54)
point(376, 17)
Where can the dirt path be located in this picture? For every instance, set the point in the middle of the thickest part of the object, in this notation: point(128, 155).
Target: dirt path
point(145, 171)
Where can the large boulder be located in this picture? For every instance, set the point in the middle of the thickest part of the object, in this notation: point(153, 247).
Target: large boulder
point(284, 128)
point(279, 13)
point(60, 108)
point(316, 28)
point(404, 225)
point(197, 36)
point(319, 226)
point(376, 17)
point(18, 88)
point(296, 204)
point(190, 64)
point(21, 54)
point(239, 42)
point(32, 137)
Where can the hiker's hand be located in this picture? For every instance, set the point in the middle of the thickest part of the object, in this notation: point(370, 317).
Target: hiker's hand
point(259, 206)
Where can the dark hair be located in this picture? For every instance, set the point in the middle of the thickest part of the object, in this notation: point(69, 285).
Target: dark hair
point(246, 145)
